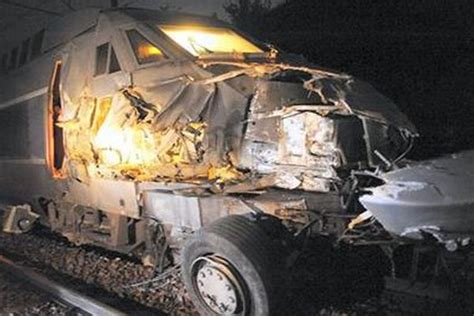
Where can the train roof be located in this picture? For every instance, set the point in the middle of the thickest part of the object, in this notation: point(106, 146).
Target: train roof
point(71, 25)
point(67, 27)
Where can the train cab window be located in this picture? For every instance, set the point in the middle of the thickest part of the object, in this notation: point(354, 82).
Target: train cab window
point(13, 58)
point(25, 47)
point(102, 52)
point(105, 56)
point(144, 50)
point(37, 44)
point(114, 65)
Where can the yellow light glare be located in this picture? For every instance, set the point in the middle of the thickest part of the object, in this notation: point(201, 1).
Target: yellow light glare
point(110, 157)
point(123, 145)
point(147, 50)
point(205, 40)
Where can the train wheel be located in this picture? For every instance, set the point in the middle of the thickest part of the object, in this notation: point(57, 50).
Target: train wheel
point(234, 267)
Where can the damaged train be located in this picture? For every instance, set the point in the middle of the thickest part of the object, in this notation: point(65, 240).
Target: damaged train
point(180, 140)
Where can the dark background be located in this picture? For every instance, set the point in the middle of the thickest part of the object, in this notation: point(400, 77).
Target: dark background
point(417, 52)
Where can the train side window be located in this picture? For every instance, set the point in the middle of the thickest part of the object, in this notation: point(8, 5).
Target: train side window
point(13, 58)
point(25, 46)
point(101, 56)
point(37, 44)
point(144, 50)
point(114, 65)
point(106, 56)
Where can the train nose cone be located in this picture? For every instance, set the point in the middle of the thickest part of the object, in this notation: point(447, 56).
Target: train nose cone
point(433, 196)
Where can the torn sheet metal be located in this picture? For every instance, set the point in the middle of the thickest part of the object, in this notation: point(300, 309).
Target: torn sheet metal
point(345, 92)
point(228, 123)
point(433, 197)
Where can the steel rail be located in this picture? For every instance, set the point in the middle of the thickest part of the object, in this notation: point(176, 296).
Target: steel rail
point(69, 296)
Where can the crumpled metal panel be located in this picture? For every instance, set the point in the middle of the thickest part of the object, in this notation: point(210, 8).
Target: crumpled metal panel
point(234, 124)
point(195, 129)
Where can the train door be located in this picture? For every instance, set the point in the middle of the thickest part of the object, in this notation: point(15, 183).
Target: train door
point(55, 139)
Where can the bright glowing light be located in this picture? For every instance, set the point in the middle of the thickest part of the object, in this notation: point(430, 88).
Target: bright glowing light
point(110, 157)
point(127, 145)
point(205, 40)
point(147, 50)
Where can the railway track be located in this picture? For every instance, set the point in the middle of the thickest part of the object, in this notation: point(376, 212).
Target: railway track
point(127, 280)
point(397, 298)
point(77, 303)
point(108, 277)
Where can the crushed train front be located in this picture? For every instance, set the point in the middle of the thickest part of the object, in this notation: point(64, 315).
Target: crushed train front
point(226, 109)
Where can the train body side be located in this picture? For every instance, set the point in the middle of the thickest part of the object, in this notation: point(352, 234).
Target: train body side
point(25, 173)
point(23, 113)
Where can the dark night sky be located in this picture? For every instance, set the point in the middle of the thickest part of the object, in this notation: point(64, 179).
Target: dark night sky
point(419, 53)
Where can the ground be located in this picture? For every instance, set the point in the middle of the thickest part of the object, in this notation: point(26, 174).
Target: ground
point(19, 298)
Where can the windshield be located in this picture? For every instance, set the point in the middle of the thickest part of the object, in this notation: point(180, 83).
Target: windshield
point(199, 40)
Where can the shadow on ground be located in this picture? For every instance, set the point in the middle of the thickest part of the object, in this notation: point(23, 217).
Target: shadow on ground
point(325, 280)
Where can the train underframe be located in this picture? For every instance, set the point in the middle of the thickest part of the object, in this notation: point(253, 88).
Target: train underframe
point(213, 236)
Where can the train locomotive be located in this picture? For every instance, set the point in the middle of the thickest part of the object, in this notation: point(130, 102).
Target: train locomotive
point(180, 140)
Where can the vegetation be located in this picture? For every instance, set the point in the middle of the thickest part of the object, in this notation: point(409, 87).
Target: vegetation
point(247, 14)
